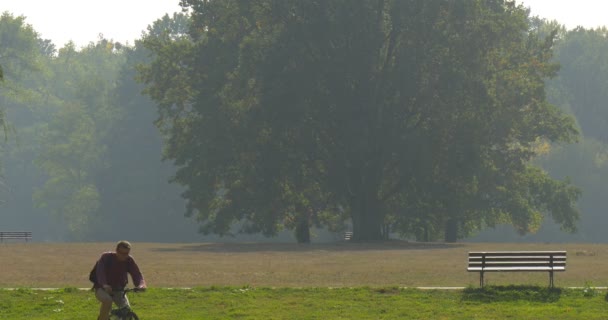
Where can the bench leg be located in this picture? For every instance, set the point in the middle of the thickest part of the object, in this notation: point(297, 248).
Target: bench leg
point(551, 279)
point(481, 279)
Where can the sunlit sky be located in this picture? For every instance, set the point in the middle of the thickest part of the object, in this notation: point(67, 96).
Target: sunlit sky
point(571, 13)
point(83, 20)
point(124, 20)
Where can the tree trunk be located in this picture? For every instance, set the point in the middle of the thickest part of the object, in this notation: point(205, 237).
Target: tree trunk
point(451, 230)
point(386, 230)
point(302, 231)
point(367, 219)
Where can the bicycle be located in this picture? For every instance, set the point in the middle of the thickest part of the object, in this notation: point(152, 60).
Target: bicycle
point(124, 313)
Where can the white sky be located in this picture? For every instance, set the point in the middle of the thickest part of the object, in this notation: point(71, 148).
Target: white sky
point(124, 20)
point(83, 20)
point(571, 13)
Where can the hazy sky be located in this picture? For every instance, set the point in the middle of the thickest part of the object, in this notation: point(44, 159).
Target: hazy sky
point(124, 20)
point(571, 13)
point(83, 20)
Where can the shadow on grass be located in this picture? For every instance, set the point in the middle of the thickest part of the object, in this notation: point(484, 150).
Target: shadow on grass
point(295, 247)
point(512, 293)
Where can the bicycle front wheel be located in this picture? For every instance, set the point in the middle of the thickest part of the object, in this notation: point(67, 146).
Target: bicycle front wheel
point(128, 316)
point(131, 316)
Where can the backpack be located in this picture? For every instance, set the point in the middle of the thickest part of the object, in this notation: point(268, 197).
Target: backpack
point(93, 273)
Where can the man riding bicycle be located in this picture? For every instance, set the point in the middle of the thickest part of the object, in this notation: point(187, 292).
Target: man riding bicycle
point(111, 274)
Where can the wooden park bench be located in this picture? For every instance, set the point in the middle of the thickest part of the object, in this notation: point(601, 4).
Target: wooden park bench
point(517, 261)
point(15, 235)
point(348, 235)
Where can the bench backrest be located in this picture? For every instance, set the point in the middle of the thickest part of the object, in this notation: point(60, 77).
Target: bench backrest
point(348, 235)
point(517, 259)
point(15, 234)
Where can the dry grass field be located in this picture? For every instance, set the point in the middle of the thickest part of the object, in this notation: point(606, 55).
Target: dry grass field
point(344, 264)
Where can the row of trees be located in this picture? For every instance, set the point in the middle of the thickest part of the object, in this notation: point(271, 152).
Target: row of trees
point(581, 89)
point(84, 159)
point(428, 120)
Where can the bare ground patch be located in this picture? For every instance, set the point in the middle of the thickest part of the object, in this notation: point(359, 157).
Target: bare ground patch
point(343, 264)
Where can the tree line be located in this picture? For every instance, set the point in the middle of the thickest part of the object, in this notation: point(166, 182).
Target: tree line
point(430, 121)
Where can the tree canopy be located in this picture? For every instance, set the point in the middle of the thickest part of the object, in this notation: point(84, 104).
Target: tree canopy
point(417, 117)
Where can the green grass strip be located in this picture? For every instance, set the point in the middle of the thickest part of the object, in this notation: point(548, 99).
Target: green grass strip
point(511, 302)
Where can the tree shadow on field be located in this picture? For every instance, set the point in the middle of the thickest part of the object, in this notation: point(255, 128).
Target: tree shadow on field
point(512, 293)
point(295, 247)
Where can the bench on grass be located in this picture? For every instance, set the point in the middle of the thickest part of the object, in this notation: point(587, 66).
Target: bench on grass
point(517, 261)
point(15, 235)
point(348, 235)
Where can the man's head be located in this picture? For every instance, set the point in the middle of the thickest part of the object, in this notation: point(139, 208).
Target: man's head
point(122, 250)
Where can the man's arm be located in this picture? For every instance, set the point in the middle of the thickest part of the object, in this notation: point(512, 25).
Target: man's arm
point(100, 270)
point(138, 278)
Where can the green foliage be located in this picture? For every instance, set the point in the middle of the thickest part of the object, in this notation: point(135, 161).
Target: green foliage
point(21, 70)
point(415, 117)
point(21, 59)
point(589, 291)
point(85, 160)
point(70, 156)
point(2, 112)
point(580, 89)
point(585, 163)
point(133, 182)
point(418, 116)
point(583, 79)
point(72, 153)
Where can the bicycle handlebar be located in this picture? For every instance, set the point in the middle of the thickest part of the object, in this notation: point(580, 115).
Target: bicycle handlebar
point(126, 290)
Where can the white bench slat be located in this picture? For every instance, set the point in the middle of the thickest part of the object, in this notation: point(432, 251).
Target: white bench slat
point(522, 252)
point(512, 263)
point(507, 269)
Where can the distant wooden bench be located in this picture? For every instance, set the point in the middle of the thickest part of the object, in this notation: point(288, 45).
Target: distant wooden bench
point(348, 235)
point(15, 235)
point(517, 261)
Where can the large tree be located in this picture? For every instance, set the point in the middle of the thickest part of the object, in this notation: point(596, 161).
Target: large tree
point(486, 125)
point(415, 113)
